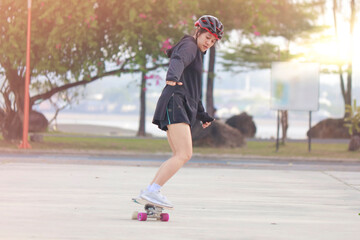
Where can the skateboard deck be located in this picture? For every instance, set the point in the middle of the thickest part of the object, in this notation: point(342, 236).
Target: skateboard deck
point(152, 211)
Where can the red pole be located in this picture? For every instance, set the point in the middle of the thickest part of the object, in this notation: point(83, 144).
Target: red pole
point(25, 144)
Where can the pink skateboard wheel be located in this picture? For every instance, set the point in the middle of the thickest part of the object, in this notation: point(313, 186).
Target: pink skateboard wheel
point(164, 217)
point(142, 216)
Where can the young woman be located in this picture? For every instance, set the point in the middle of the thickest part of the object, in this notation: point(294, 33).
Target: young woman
point(179, 105)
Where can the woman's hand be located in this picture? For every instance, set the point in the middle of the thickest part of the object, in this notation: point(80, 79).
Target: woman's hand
point(172, 83)
point(205, 125)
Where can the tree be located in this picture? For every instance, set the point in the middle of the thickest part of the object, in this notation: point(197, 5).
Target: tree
point(61, 101)
point(234, 14)
point(287, 19)
point(59, 30)
point(247, 17)
point(347, 65)
point(152, 25)
point(74, 44)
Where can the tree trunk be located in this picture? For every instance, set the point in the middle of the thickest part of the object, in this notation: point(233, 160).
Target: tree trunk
point(284, 125)
point(348, 97)
point(141, 132)
point(346, 91)
point(210, 84)
point(14, 113)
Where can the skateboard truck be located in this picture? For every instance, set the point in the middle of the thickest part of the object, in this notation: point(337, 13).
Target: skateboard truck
point(151, 212)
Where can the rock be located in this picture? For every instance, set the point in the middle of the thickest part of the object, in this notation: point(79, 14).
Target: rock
point(37, 122)
point(354, 144)
point(36, 138)
point(244, 123)
point(11, 126)
point(329, 128)
point(218, 134)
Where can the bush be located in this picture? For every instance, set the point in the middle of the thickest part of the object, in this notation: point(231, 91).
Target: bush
point(352, 118)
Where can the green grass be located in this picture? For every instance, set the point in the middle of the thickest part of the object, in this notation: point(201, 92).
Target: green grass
point(290, 149)
point(156, 145)
point(97, 143)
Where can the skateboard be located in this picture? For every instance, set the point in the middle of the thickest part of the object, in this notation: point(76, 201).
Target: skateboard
point(152, 211)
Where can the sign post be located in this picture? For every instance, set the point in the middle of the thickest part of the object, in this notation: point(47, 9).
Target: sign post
point(294, 86)
point(25, 144)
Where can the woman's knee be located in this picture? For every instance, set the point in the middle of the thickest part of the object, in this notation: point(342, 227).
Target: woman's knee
point(185, 155)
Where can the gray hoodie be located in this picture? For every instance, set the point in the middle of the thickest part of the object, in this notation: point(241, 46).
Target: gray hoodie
point(186, 66)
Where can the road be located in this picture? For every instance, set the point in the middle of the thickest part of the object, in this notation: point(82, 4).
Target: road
point(78, 196)
point(197, 161)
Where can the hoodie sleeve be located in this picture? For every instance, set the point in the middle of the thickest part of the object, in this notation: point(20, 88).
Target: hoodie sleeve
point(182, 56)
point(202, 115)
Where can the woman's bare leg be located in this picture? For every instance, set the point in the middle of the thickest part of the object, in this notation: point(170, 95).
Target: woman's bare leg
point(173, 151)
point(179, 137)
point(171, 143)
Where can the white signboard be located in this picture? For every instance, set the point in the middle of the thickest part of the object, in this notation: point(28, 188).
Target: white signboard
point(294, 86)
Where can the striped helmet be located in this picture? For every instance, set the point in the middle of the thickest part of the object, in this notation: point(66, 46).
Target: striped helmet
point(212, 25)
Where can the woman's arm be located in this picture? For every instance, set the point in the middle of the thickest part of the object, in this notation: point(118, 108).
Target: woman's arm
point(182, 56)
point(203, 116)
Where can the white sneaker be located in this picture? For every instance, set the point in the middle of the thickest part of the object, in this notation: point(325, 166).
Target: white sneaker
point(156, 197)
point(141, 193)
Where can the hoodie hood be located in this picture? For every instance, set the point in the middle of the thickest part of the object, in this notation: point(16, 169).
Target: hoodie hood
point(171, 50)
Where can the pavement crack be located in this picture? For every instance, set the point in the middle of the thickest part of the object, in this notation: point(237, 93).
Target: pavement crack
point(341, 181)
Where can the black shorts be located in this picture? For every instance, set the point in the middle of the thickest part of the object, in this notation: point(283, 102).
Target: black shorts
point(175, 112)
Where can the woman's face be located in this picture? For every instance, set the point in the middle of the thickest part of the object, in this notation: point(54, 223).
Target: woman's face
point(205, 41)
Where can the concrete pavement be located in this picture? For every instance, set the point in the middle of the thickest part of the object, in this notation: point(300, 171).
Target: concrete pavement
point(68, 200)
